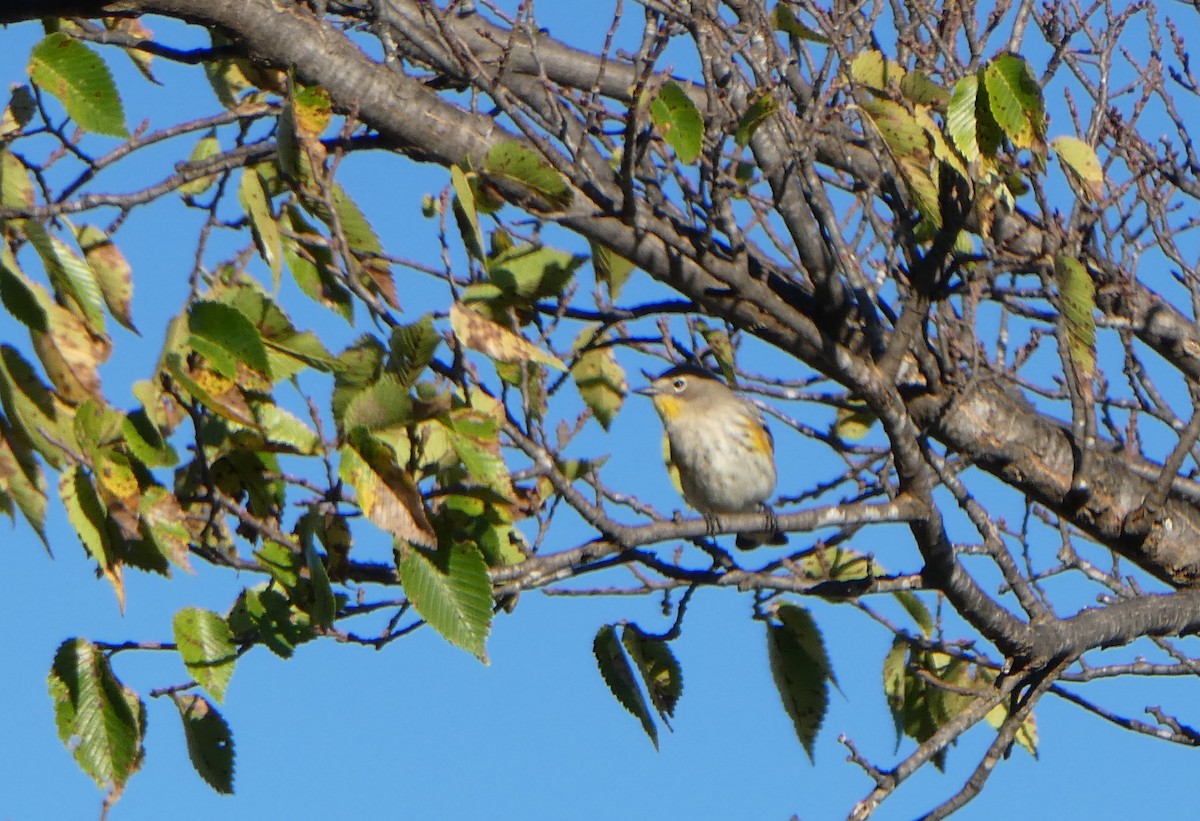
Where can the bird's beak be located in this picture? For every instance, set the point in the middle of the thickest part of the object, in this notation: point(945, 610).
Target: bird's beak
point(647, 390)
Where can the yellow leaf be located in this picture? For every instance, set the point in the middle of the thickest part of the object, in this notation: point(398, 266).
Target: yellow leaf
point(495, 341)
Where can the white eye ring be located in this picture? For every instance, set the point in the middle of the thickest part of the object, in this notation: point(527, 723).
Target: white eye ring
point(679, 384)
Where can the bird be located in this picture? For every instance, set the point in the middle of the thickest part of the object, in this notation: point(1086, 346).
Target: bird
point(719, 444)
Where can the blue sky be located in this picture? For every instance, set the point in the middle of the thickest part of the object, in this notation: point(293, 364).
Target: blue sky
point(423, 730)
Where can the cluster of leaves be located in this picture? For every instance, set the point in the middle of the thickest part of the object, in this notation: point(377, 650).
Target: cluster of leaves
point(417, 449)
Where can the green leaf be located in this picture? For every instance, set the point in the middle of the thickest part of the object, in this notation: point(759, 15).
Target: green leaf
point(961, 121)
point(899, 128)
point(1077, 298)
point(87, 516)
point(465, 213)
point(895, 667)
point(764, 106)
point(618, 675)
point(451, 590)
point(253, 197)
point(112, 271)
point(533, 272)
point(387, 493)
point(600, 380)
point(206, 645)
point(514, 161)
point(21, 478)
point(311, 262)
point(266, 616)
point(21, 300)
point(785, 21)
point(71, 277)
point(146, 442)
point(1081, 165)
point(917, 609)
point(917, 86)
point(100, 721)
point(678, 121)
point(81, 81)
point(283, 431)
point(324, 606)
point(611, 268)
point(208, 147)
point(801, 671)
point(209, 741)
point(16, 184)
point(1015, 100)
point(660, 671)
point(230, 332)
point(412, 348)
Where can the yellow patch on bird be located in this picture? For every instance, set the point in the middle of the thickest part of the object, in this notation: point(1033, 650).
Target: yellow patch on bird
point(763, 441)
point(672, 471)
point(668, 406)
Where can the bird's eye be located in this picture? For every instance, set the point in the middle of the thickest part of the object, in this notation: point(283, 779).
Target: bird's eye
point(679, 384)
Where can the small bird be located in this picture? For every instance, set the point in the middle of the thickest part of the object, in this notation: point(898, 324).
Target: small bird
point(720, 446)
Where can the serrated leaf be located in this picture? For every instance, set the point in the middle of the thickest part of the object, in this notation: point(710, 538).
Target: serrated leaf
point(678, 121)
point(98, 719)
point(311, 262)
point(412, 348)
point(81, 81)
point(495, 341)
point(209, 741)
point(163, 525)
point(112, 270)
point(266, 616)
point(205, 149)
point(961, 121)
point(386, 492)
point(611, 268)
point(231, 332)
point(533, 272)
point(800, 668)
point(600, 380)
point(785, 20)
point(1077, 296)
point(1015, 100)
point(451, 590)
point(206, 645)
point(618, 675)
point(660, 672)
point(72, 278)
point(284, 431)
point(512, 160)
point(764, 106)
point(253, 197)
point(1081, 165)
point(87, 516)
